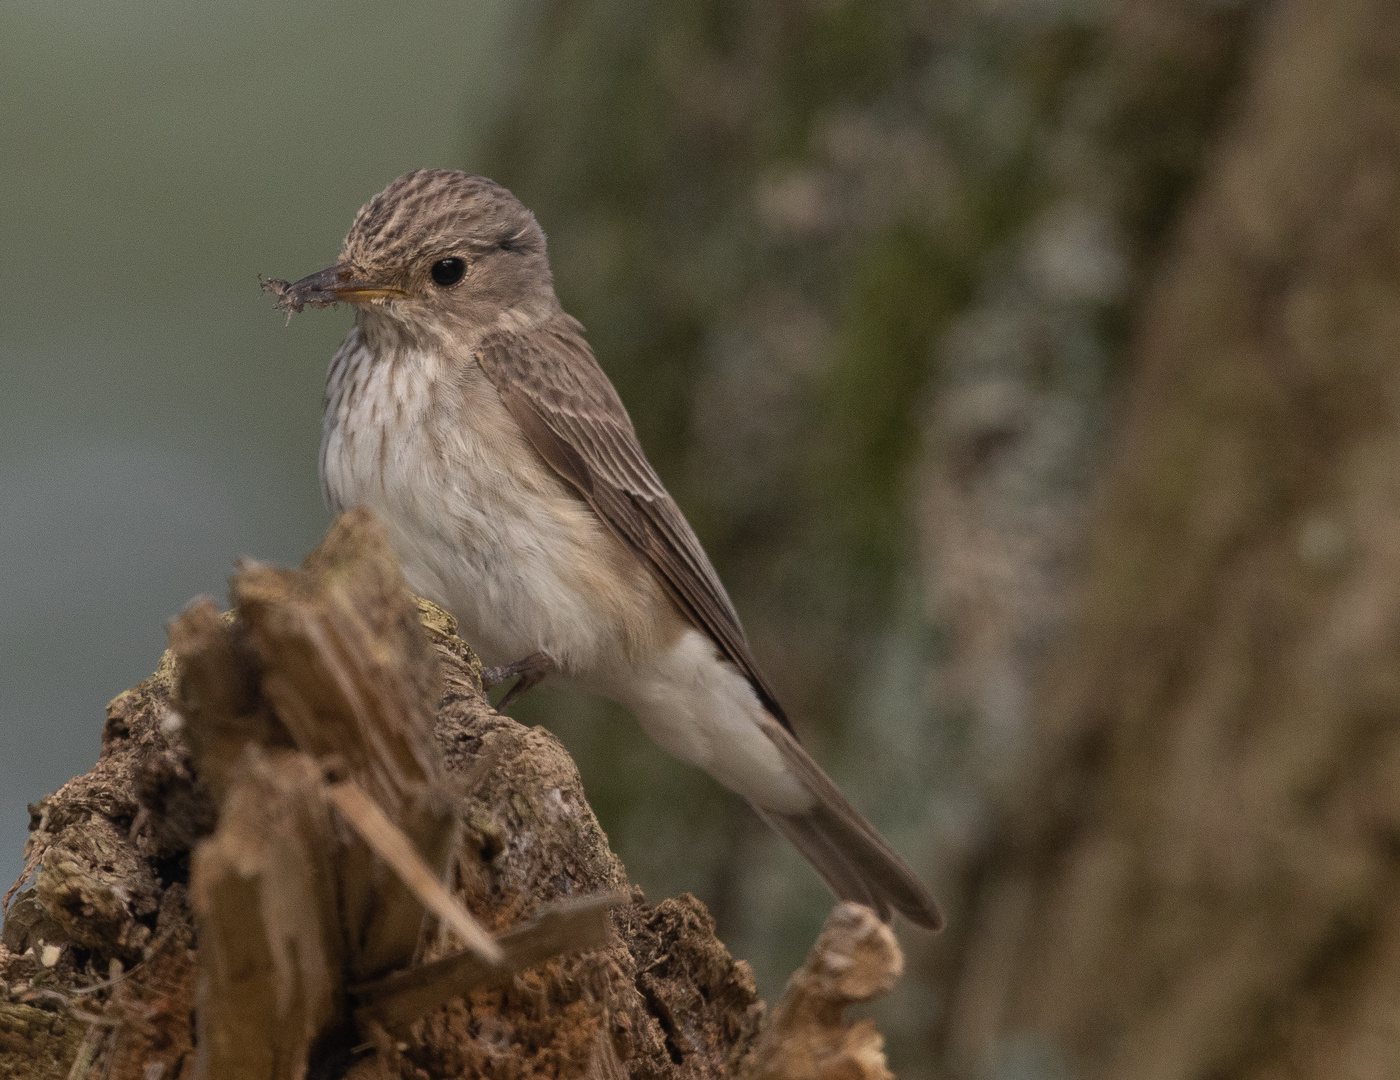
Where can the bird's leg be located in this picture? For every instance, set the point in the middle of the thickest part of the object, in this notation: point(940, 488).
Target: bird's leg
point(531, 670)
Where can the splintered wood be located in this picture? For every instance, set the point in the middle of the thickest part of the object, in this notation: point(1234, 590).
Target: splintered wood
point(855, 959)
point(309, 717)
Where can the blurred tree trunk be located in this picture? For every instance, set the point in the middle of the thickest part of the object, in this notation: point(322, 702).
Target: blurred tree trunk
point(803, 237)
point(1199, 876)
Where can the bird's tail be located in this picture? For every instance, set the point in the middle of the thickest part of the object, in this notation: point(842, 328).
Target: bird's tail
point(852, 858)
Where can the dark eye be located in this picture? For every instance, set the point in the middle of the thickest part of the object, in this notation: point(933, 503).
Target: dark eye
point(449, 271)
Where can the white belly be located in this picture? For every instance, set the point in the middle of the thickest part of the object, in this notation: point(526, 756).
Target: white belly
point(696, 706)
point(480, 523)
point(486, 529)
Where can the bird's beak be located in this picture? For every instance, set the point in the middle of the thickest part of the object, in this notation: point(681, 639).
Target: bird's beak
point(330, 286)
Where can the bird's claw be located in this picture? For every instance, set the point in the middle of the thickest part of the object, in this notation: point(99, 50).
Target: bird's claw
point(531, 670)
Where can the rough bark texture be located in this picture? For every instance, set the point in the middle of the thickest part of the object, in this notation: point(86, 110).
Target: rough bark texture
point(855, 959)
point(110, 855)
point(836, 255)
point(346, 761)
point(1199, 878)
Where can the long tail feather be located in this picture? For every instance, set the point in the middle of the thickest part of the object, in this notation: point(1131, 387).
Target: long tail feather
point(851, 857)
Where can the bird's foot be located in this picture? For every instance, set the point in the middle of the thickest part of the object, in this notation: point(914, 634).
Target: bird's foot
point(531, 671)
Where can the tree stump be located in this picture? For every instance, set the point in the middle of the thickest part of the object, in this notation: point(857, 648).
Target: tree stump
point(250, 881)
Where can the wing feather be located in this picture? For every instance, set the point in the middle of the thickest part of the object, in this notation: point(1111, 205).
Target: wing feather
point(553, 387)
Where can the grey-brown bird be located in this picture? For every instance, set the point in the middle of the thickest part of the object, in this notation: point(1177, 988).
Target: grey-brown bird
point(467, 411)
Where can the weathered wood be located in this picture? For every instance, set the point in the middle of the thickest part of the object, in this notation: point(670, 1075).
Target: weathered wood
point(389, 842)
point(290, 907)
point(264, 896)
point(569, 925)
point(346, 668)
point(855, 959)
point(218, 696)
point(329, 681)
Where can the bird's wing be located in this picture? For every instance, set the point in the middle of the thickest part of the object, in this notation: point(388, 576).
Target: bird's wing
point(554, 389)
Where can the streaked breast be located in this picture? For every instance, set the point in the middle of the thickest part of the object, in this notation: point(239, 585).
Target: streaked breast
point(482, 525)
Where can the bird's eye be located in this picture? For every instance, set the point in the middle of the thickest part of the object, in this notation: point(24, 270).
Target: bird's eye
point(449, 271)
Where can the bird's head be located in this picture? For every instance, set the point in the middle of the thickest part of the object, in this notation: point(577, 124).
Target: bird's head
point(436, 251)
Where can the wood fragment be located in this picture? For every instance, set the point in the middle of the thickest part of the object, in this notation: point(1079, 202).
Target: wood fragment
point(218, 696)
point(87, 1051)
point(322, 693)
point(565, 927)
point(262, 972)
point(343, 663)
point(856, 958)
point(323, 666)
point(265, 900)
point(391, 845)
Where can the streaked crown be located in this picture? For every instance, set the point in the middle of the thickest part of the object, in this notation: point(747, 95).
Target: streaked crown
point(431, 215)
point(437, 209)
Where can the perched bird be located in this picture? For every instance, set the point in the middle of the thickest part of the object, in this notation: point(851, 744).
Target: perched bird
point(467, 411)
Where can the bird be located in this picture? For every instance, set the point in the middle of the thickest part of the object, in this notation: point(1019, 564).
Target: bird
point(466, 410)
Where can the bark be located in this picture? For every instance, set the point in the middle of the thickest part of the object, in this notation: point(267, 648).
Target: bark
point(238, 887)
point(1198, 877)
point(808, 240)
point(855, 959)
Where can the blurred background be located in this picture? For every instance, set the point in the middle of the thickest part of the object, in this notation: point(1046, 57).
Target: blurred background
point(1029, 368)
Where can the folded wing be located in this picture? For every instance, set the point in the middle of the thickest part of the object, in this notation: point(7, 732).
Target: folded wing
point(553, 387)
